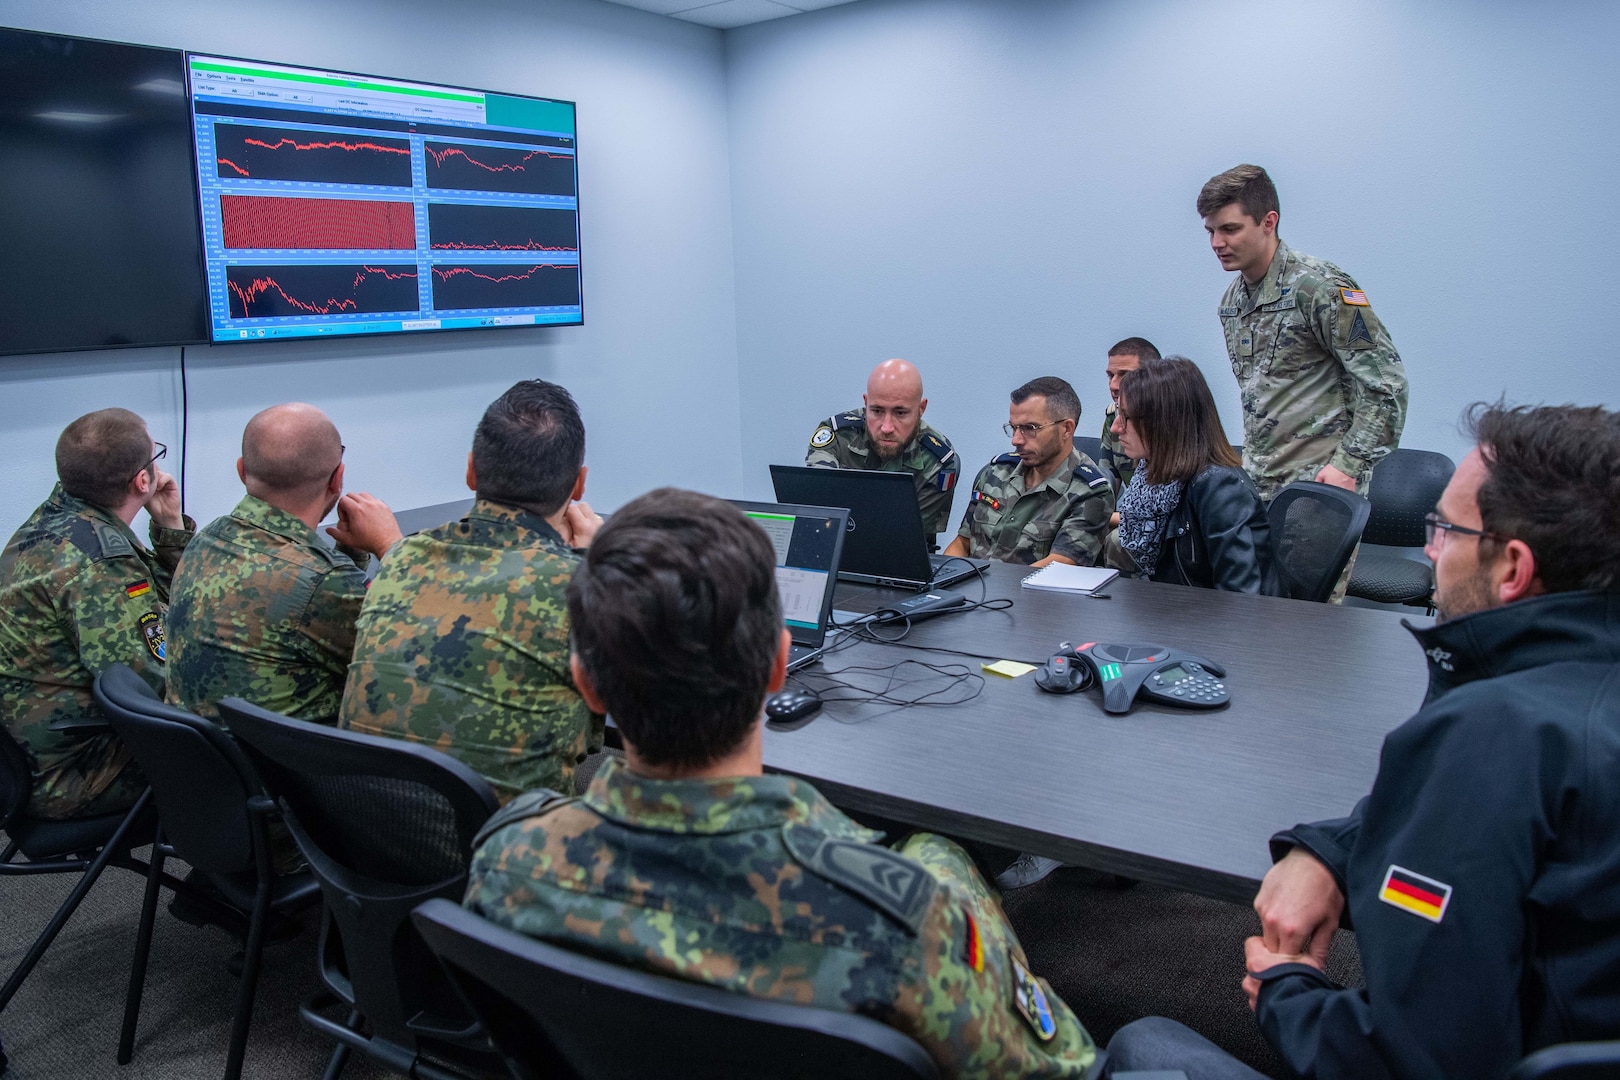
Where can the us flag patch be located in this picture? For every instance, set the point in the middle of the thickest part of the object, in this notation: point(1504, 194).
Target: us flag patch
point(1354, 296)
point(1422, 896)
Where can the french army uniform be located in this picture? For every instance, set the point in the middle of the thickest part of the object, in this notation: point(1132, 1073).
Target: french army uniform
point(262, 610)
point(1111, 457)
point(79, 593)
point(1480, 872)
point(1319, 377)
point(1067, 514)
point(759, 886)
point(462, 644)
point(841, 442)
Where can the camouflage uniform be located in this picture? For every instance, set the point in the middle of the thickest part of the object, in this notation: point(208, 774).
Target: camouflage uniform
point(1319, 377)
point(462, 644)
point(1111, 458)
point(78, 593)
point(759, 886)
point(262, 610)
point(841, 442)
point(1066, 515)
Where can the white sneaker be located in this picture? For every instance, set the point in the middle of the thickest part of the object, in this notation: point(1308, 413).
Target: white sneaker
point(1025, 870)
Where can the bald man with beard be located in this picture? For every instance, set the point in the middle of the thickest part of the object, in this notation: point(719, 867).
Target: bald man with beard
point(887, 433)
point(262, 608)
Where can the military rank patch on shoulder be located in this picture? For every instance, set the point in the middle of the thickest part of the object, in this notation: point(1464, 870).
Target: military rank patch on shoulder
point(1092, 475)
point(936, 445)
point(152, 634)
point(137, 589)
point(889, 881)
point(1422, 896)
point(1355, 297)
point(822, 437)
point(1031, 1002)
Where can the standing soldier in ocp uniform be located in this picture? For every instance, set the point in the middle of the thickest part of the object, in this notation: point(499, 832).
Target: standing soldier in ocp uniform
point(888, 433)
point(1323, 389)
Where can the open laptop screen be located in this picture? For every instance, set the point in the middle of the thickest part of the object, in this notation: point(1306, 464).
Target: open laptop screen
point(808, 541)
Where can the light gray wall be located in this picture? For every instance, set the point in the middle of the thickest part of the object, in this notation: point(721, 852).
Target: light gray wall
point(998, 190)
point(656, 358)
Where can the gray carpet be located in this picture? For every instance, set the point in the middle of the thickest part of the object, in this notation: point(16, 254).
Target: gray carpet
point(1113, 954)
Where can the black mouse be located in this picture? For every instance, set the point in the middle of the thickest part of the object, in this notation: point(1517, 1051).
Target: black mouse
point(1062, 674)
point(787, 710)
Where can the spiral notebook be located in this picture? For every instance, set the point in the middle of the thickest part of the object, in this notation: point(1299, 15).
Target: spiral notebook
point(1062, 577)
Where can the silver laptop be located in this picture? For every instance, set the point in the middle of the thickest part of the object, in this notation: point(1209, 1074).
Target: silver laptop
point(809, 540)
point(886, 545)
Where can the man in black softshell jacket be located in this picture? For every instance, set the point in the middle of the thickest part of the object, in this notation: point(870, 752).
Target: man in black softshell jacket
point(1482, 874)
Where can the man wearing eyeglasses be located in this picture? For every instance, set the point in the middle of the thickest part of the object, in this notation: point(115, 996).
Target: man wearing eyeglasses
point(1045, 501)
point(263, 609)
point(79, 593)
point(1480, 873)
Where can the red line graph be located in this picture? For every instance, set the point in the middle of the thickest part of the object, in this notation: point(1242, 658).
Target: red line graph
point(439, 157)
point(532, 245)
point(261, 286)
point(252, 221)
point(452, 272)
point(331, 144)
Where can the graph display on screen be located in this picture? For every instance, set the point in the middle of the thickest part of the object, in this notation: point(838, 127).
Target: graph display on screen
point(337, 204)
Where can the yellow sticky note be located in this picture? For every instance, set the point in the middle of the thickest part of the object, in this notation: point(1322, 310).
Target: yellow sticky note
point(1008, 668)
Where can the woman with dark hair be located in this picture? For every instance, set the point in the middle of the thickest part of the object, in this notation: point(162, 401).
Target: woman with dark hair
point(1190, 514)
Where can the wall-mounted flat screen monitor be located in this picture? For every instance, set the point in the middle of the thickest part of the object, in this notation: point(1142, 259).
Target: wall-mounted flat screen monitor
point(336, 204)
point(98, 211)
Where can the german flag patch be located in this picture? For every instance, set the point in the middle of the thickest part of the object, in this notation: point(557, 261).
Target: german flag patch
point(972, 944)
point(1422, 896)
point(137, 588)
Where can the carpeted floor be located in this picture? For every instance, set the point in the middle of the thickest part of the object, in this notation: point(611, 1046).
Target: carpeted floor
point(1113, 954)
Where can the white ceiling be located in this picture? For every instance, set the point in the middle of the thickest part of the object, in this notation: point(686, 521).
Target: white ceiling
point(726, 14)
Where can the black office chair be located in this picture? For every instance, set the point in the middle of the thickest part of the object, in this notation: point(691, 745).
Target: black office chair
point(385, 825)
point(1314, 528)
point(214, 814)
point(1089, 446)
point(84, 846)
point(544, 1007)
point(1405, 486)
point(1571, 1061)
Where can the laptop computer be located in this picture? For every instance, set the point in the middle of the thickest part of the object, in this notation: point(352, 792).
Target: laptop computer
point(885, 545)
point(809, 541)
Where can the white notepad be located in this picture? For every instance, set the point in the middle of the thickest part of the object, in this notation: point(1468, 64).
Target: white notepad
point(1062, 577)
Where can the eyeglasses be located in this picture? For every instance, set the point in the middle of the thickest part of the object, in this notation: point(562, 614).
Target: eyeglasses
point(1433, 523)
point(1027, 430)
point(162, 451)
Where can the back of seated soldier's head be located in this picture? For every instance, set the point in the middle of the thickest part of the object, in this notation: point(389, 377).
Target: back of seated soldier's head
point(100, 453)
point(677, 624)
point(529, 447)
point(1553, 481)
point(289, 452)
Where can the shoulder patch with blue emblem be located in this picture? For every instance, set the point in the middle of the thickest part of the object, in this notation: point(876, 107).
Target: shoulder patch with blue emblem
point(1032, 1002)
point(854, 418)
point(1007, 459)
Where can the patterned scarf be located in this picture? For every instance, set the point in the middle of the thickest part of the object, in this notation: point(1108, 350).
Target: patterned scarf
point(1144, 511)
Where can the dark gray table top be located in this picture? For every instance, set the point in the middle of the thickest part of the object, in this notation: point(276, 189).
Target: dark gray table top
point(428, 517)
point(1182, 798)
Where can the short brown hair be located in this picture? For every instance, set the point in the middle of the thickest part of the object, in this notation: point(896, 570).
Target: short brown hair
point(1246, 185)
point(1176, 419)
point(1062, 403)
point(1553, 482)
point(676, 620)
point(1139, 347)
point(100, 453)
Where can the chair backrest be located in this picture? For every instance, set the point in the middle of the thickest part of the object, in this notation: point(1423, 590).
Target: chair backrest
point(1314, 528)
point(1571, 1061)
point(199, 776)
point(16, 780)
point(384, 824)
point(1089, 445)
point(1405, 486)
point(556, 1013)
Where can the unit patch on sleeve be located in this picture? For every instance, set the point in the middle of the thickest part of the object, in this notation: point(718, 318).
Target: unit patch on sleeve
point(822, 437)
point(1031, 1002)
point(1422, 896)
point(152, 634)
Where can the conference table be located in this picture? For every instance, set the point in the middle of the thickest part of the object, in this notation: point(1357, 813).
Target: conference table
point(1179, 797)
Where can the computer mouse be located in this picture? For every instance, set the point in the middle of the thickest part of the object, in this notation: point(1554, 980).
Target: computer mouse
point(787, 710)
point(1062, 674)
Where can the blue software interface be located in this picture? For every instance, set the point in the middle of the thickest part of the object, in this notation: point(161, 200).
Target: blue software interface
point(340, 204)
